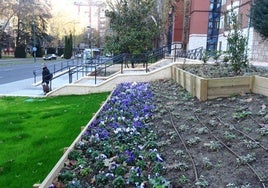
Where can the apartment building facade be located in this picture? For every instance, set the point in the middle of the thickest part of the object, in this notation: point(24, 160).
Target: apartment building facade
point(206, 26)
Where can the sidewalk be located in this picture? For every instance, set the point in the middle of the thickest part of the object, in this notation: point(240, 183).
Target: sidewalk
point(258, 63)
point(26, 87)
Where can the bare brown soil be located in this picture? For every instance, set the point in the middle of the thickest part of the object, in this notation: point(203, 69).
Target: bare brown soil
point(224, 70)
point(216, 143)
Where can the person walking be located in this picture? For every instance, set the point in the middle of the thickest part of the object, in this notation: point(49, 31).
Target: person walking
point(46, 77)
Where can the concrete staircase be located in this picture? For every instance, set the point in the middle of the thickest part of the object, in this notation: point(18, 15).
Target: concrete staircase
point(90, 84)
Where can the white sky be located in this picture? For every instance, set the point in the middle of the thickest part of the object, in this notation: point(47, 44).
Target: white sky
point(69, 11)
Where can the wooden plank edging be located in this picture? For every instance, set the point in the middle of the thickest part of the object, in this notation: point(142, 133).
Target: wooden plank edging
point(60, 164)
point(208, 88)
point(260, 85)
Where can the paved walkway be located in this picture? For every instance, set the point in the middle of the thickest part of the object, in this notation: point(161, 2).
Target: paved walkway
point(26, 87)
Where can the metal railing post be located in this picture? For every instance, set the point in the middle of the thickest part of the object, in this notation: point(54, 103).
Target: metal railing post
point(70, 76)
point(50, 85)
point(77, 72)
point(146, 65)
point(95, 74)
point(122, 64)
point(34, 73)
point(105, 70)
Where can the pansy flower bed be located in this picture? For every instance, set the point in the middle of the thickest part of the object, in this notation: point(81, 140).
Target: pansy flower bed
point(118, 149)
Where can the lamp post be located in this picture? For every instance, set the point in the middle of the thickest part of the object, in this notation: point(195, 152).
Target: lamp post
point(90, 40)
point(34, 32)
point(34, 41)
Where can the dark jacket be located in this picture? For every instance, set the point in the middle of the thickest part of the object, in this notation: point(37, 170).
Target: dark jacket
point(45, 75)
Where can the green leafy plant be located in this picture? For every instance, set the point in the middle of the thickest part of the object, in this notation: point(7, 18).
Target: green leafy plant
point(141, 164)
point(258, 17)
point(212, 113)
point(205, 56)
point(173, 135)
point(213, 146)
point(207, 164)
point(74, 184)
point(250, 144)
point(249, 158)
point(183, 179)
point(99, 164)
point(241, 115)
point(86, 171)
point(226, 59)
point(101, 179)
point(193, 141)
point(213, 122)
point(131, 27)
point(186, 95)
point(202, 182)
point(263, 131)
point(180, 153)
point(159, 182)
point(181, 166)
point(216, 56)
point(228, 136)
point(165, 142)
point(202, 130)
point(233, 185)
point(66, 176)
point(81, 162)
point(158, 168)
point(166, 122)
point(237, 51)
point(119, 182)
point(120, 170)
point(183, 127)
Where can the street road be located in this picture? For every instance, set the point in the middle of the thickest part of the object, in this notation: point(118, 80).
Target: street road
point(12, 70)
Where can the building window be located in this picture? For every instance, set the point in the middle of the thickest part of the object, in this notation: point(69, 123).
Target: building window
point(213, 24)
point(220, 45)
point(222, 22)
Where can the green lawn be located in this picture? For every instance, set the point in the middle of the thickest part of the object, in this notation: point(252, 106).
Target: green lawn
point(34, 131)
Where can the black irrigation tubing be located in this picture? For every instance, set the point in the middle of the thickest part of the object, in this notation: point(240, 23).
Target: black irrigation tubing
point(246, 135)
point(184, 145)
point(232, 152)
point(260, 125)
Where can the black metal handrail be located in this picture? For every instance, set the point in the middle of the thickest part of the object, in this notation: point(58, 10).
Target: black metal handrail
point(57, 68)
point(97, 66)
point(147, 58)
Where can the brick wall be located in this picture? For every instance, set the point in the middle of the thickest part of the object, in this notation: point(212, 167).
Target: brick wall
point(259, 48)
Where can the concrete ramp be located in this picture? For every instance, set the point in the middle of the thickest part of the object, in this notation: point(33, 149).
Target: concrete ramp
point(86, 85)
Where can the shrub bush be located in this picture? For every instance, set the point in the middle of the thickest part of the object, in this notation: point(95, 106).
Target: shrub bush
point(20, 52)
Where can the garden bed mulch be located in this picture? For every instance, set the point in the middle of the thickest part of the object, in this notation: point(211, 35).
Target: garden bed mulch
point(185, 143)
point(224, 139)
point(220, 70)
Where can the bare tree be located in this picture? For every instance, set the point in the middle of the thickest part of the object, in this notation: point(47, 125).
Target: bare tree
point(26, 19)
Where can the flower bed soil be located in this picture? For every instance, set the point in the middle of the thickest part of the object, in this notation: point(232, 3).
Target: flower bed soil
point(185, 143)
point(224, 139)
point(223, 70)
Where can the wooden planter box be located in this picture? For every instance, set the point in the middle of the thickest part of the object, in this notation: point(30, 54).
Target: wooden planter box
point(260, 85)
point(209, 88)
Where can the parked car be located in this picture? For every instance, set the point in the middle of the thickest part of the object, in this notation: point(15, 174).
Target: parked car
point(78, 55)
point(50, 57)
